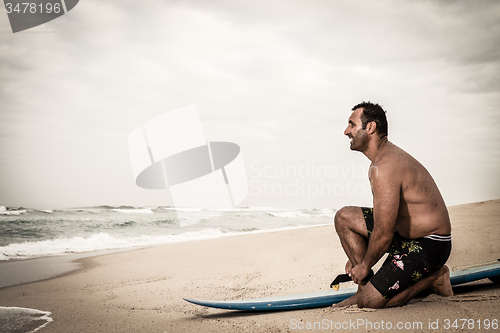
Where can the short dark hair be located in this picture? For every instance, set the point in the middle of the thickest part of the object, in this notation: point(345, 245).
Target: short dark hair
point(373, 112)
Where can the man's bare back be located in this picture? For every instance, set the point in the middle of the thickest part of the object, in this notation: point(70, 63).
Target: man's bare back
point(422, 210)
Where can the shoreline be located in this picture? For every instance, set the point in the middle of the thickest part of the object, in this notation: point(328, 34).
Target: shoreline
point(19, 271)
point(142, 290)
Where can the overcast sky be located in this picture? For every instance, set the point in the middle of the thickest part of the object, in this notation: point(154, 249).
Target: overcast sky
point(276, 77)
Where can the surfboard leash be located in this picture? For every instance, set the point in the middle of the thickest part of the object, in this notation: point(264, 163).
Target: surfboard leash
point(346, 278)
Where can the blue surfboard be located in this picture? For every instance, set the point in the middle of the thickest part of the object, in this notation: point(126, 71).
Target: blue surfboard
point(329, 297)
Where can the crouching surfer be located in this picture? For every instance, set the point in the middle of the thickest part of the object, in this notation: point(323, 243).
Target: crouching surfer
point(409, 220)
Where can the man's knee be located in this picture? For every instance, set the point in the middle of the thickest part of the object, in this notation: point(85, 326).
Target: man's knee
point(364, 303)
point(343, 217)
point(371, 298)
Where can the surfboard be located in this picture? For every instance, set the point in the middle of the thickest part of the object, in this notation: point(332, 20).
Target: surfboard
point(328, 297)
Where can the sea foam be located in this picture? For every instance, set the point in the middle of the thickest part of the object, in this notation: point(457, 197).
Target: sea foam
point(134, 211)
point(23, 320)
point(100, 241)
point(5, 211)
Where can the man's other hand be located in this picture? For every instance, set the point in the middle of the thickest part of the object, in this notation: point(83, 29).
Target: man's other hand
point(359, 272)
point(348, 267)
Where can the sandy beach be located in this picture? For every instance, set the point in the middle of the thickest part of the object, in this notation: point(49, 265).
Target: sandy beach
point(141, 290)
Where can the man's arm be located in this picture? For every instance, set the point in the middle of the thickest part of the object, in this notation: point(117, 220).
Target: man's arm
point(386, 189)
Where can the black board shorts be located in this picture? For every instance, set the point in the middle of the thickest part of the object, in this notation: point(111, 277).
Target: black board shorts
point(409, 260)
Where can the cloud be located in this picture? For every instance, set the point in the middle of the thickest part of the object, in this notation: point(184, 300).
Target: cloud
point(279, 78)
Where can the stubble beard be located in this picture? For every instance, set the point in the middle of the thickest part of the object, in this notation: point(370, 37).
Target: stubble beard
point(360, 141)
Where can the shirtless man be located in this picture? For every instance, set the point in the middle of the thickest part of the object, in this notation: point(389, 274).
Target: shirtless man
point(409, 220)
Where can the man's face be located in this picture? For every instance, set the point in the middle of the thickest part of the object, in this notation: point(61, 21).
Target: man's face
point(355, 132)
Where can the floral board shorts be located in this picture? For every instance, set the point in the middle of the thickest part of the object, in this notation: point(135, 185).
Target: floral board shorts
point(409, 260)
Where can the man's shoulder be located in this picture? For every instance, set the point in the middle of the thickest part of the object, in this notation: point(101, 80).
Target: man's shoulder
point(392, 164)
point(399, 166)
point(394, 158)
point(384, 171)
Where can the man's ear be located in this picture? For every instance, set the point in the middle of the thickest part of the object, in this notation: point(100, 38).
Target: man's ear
point(372, 127)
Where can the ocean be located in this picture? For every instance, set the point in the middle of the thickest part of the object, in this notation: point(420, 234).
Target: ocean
point(29, 233)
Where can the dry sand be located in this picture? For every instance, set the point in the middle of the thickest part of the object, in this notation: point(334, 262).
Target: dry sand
point(142, 290)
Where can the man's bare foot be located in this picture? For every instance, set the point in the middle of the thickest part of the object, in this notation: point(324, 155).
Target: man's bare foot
point(351, 300)
point(347, 302)
point(442, 285)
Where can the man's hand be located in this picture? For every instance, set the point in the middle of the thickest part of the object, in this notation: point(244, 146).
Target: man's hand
point(359, 272)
